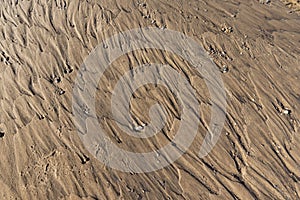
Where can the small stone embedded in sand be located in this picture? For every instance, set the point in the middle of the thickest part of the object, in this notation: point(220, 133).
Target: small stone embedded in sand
point(2, 134)
point(61, 92)
point(146, 16)
point(163, 27)
point(225, 69)
point(211, 50)
point(84, 160)
point(68, 70)
point(85, 109)
point(227, 29)
point(55, 79)
point(264, 1)
point(140, 128)
point(144, 5)
point(286, 111)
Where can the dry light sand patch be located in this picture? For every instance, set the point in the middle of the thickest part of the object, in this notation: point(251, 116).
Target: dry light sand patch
point(294, 5)
point(44, 43)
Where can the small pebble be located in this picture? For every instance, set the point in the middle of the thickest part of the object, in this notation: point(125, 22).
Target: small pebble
point(225, 69)
point(84, 160)
point(68, 70)
point(227, 29)
point(85, 109)
point(163, 27)
point(146, 16)
point(55, 79)
point(264, 1)
point(61, 92)
point(140, 128)
point(286, 111)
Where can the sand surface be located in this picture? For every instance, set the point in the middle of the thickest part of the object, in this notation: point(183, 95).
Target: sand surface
point(43, 45)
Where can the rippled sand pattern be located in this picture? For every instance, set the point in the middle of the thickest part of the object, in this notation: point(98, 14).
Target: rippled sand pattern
point(43, 44)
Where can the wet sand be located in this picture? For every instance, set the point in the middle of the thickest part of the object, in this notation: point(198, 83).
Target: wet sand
point(43, 45)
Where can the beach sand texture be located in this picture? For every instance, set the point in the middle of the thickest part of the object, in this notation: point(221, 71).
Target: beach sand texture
point(43, 45)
